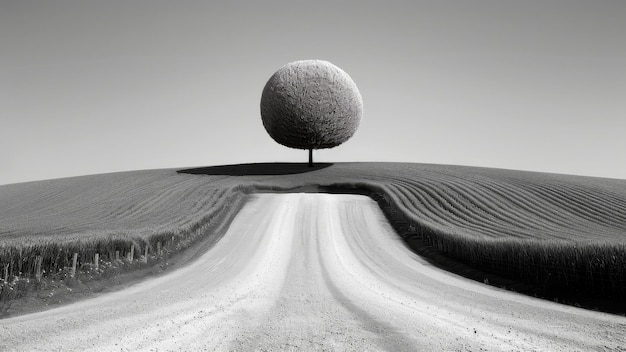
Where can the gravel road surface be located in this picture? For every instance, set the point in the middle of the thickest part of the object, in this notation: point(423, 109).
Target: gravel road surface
point(315, 272)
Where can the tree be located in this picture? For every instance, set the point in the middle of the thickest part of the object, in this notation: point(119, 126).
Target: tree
point(311, 104)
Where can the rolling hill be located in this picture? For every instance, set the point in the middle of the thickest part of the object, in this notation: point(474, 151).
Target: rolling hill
point(562, 233)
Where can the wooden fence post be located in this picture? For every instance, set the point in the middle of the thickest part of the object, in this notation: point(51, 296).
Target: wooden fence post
point(96, 260)
point(145, 256)
point(38, 260)
point(6, 272)
point(74, 260)
point(159, 248)
point(131, 254)
point(117, 255)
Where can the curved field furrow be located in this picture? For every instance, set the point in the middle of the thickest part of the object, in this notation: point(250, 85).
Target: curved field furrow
point(576, 204)
point(518, 203)
point(479, 204)
point(603, 203)
point(454, 223)
point(423, 216)
point(478, 198)
point(483, 224)
point(573, 219)
point(534, 207)
point(568, 205)
point(592, 197)
point(427, 210)
point(495, 223)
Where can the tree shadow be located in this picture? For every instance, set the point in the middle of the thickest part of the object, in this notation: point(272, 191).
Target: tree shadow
point(256, 169)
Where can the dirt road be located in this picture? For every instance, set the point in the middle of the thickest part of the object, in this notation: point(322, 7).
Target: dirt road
point(312, 272)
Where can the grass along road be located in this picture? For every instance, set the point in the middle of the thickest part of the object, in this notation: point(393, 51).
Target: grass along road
point(312, 271)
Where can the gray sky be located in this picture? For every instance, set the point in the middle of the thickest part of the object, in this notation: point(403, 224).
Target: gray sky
point(101, 86)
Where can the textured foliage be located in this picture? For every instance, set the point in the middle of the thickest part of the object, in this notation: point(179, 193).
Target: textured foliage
point(311, 104)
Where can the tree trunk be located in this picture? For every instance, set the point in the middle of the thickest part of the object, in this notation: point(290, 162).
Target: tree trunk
point(310, 157)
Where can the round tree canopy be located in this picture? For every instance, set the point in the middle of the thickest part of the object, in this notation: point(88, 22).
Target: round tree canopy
point(311, 104)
